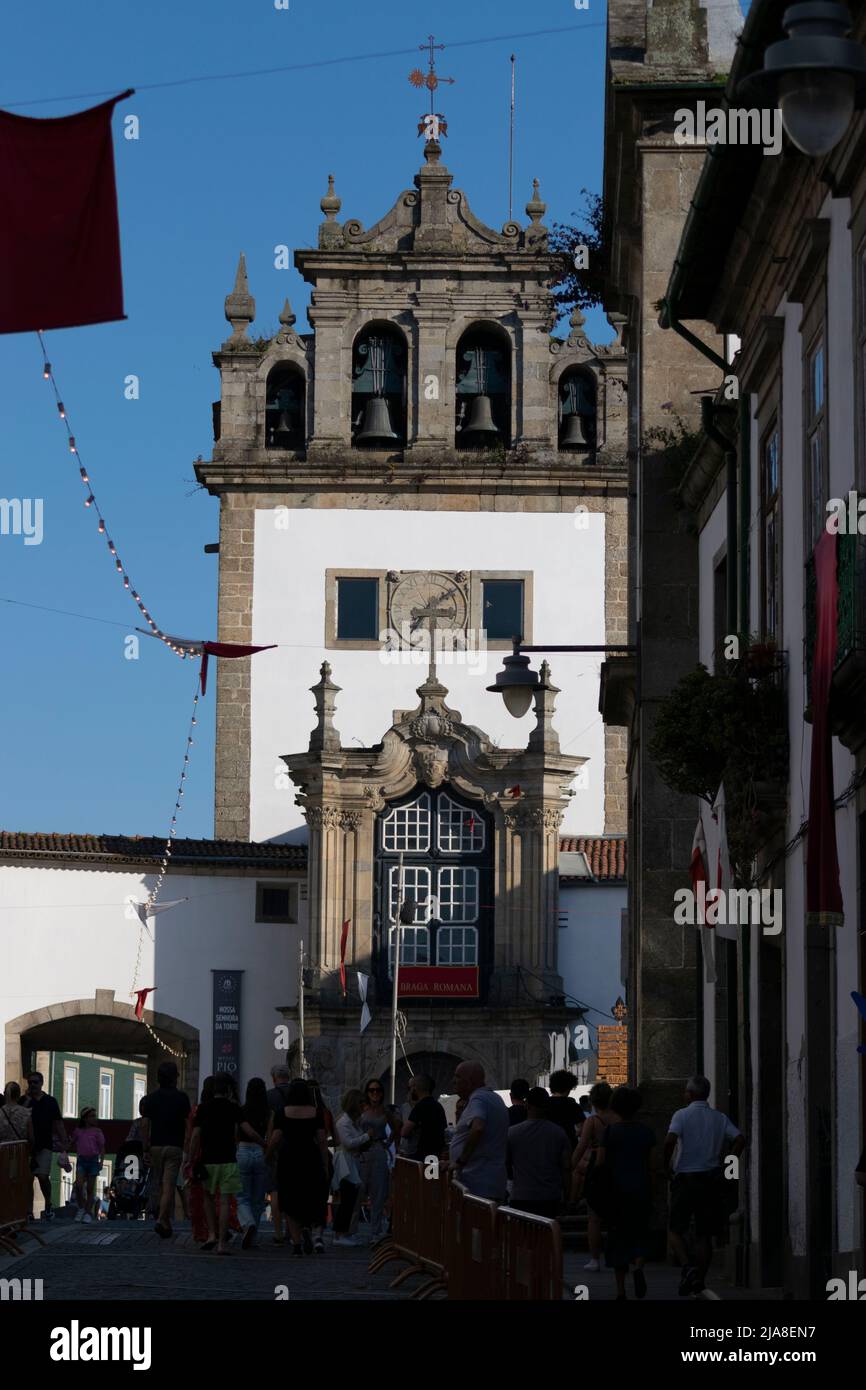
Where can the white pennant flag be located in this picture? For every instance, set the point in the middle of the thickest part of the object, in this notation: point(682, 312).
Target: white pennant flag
point(366, 1016)
point(145, 910)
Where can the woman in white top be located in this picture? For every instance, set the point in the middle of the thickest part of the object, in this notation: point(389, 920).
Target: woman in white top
point(16, 1121)
point(347, 1177)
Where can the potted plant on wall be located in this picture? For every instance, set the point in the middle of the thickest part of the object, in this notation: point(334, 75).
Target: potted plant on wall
point(728, 728)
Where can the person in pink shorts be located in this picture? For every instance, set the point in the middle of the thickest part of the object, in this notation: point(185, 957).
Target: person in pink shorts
point(88, 1141)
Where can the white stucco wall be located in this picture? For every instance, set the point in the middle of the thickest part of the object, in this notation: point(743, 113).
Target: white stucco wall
point(590, 948)
point(840, 388)
point(289, 609)
point(67, 934)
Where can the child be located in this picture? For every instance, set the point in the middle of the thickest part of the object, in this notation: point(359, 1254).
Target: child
point(89, 1144)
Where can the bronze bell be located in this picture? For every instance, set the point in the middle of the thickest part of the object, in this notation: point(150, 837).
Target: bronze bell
point(376, 424)
point(574, 434)
point(284, 430)
point(480, 417)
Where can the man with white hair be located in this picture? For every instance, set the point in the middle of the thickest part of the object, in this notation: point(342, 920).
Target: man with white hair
point(694, 1149)
point(478, 1148)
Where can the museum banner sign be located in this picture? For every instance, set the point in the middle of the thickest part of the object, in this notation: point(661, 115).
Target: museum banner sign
point(438, 982)
point(227, 1021)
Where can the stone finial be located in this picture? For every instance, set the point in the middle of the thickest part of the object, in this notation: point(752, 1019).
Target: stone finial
point(618, 323)
point(325, 738)
point(331, 204)
point(577, 335)
point(240, 307)
point(287, 318)
point(432, 152)
point(535, 208)
point(544, 737)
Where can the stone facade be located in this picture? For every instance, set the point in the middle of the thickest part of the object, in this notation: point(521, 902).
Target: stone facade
point(431, 269)
point(343, 789)
point(660, 62)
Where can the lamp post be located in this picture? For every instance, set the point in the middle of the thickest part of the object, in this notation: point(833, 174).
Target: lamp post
point(404, 916)
point(517, 682)
point(817, 75)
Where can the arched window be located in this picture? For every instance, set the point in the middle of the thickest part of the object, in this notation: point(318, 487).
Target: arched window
point(447, 852)
point(285, 400)
point(577, 410)
point(379, 388)
point(483, 394)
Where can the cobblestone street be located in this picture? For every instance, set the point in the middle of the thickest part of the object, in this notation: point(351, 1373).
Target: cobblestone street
point(130, 1262)
point(124, 1261)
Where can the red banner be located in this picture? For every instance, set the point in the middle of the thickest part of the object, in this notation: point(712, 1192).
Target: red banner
point(438, 982)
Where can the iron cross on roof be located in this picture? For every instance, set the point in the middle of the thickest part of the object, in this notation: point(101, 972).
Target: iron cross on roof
point(432, 123)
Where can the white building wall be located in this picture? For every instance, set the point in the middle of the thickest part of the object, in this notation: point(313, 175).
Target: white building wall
point(289, 609)
point(67, 933)
point(590, 949)
point(840, 298)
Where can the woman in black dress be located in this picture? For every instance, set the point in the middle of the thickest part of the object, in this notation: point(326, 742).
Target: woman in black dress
point(624, 1152)
point(302, 1162)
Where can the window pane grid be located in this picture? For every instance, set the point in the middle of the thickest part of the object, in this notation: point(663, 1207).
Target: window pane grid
point(408, 827)
point(457, 946)
point(458, 831)
point(416, 885)
point(458, 895)
point(414, 947)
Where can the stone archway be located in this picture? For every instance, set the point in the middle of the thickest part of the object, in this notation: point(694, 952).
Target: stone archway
point(439, 1065)
point(102, 1025)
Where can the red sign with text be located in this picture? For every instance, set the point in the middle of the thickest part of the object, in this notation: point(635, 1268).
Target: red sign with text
point(438, 982)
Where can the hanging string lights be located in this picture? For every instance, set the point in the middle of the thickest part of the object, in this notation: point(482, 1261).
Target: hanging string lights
point(90, 501)
point(163, 867)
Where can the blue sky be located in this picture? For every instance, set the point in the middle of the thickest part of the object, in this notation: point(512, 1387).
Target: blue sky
point(93, 741)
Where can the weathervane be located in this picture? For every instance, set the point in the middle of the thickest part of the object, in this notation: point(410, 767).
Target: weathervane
point(432, 124)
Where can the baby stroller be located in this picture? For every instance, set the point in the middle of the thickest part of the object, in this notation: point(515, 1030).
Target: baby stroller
point(131, 1178)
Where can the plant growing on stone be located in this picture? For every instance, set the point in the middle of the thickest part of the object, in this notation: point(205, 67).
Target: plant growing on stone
point(726, 728)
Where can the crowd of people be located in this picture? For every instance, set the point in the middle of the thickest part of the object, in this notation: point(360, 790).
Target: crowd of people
point(225, 1161)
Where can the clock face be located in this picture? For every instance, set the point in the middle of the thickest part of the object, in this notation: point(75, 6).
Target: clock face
point(421, 600)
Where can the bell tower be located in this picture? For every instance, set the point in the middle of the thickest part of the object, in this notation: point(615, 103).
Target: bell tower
point(428, 472)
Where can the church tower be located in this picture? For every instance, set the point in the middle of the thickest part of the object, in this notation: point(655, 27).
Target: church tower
point(425, 475)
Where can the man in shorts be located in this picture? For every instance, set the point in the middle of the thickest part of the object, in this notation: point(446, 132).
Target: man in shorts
point(698, 1136)
point(163, 1128)
point(48, 1127)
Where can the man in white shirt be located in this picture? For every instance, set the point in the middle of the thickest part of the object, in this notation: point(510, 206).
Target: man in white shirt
point(694, 1149)
point(478, 1148)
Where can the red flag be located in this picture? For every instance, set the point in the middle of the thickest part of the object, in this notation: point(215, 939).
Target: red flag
point(471, 822)
point(59, 238)
point(140, 998)
point(824, 906)
point(225, 649)
point(344, 936)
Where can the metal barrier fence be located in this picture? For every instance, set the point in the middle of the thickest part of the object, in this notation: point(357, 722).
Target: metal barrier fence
point(16, 1193)
point(468, 1247)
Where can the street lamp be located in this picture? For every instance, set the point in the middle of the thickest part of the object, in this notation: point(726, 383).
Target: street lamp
point(517, 682)
point(817, 76)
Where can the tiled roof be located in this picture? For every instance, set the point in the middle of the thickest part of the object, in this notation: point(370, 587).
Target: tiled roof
point(606, 853)
point(149, 849)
